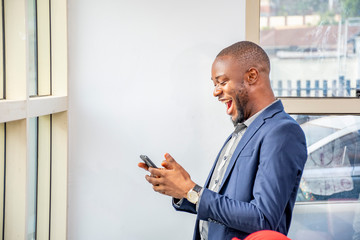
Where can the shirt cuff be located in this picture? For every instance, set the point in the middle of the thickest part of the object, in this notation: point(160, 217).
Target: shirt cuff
point(198, 202)
point(177, 202)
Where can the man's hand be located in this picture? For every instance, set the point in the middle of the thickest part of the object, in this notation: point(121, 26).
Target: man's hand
point(143, 165)
point(171, 180)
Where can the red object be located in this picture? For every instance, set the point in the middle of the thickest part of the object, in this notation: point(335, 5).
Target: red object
point(265, 235)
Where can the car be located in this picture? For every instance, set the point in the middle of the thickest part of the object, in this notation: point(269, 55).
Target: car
point(328, 205)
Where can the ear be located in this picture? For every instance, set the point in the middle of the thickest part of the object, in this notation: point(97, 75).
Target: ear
point(252, 75)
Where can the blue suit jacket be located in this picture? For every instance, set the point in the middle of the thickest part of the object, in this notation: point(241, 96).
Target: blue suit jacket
point(261, 182)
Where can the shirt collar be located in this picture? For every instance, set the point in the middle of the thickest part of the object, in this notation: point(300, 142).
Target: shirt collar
point(253, 117)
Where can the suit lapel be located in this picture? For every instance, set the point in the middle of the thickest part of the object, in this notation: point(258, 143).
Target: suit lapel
point(249, 133)
point(243, 141)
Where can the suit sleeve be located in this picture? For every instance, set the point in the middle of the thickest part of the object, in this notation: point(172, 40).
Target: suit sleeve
point(282, 155)
point(184, 205)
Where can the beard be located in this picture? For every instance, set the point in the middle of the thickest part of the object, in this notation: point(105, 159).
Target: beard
point(240, 106)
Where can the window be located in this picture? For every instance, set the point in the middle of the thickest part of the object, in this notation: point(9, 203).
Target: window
point(33, 129)
point(314, 47)
point(39, 177)
point(332, 169)
point(32, 28)
point(323, 102)
point(32, 176)
point(330, 186)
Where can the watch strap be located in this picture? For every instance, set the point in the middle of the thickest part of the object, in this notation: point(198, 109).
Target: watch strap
point(197, 188)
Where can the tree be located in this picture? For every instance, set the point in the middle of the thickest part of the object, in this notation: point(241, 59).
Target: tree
point(350, 8)
point(304, 7)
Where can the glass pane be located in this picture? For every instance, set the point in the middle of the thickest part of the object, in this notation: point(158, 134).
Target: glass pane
point(44, 47)
point(32, 177)
point(329, 221)
point(44, 178)
point(33, 89)
point(314, 46)
point(328, 205)
point(2, 173)
point(332, 170)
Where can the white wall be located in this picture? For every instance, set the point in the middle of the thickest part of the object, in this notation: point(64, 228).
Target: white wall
point(139, 83)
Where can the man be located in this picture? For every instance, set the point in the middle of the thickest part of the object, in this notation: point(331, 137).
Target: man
point(254, 181)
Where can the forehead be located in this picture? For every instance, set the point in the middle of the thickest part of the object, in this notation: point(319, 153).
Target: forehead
point(224, 65)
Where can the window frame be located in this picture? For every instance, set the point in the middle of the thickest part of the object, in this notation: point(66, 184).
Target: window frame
point(18, 107)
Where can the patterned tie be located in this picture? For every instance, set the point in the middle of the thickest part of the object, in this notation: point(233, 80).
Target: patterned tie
point(239, 127)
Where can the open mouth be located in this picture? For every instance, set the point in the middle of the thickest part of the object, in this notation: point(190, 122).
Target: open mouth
point(229, 107)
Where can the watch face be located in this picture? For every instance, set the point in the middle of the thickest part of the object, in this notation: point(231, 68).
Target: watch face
point(192, 196)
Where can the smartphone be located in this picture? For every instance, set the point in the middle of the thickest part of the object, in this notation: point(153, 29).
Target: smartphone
point(147, 161)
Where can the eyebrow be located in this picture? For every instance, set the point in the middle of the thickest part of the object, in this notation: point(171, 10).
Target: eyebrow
point(217, 77)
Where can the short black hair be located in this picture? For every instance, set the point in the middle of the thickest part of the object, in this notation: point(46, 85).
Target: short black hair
point(248, 53)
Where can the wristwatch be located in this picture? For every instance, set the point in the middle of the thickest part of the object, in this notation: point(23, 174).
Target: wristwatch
point(194, 194)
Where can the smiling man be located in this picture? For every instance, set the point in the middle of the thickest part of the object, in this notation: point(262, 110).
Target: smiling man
point(253, 183)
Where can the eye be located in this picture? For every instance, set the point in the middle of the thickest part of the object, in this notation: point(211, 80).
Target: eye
point(223, 83)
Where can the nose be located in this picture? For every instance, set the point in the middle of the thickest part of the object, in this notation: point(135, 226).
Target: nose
point(217, 91)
